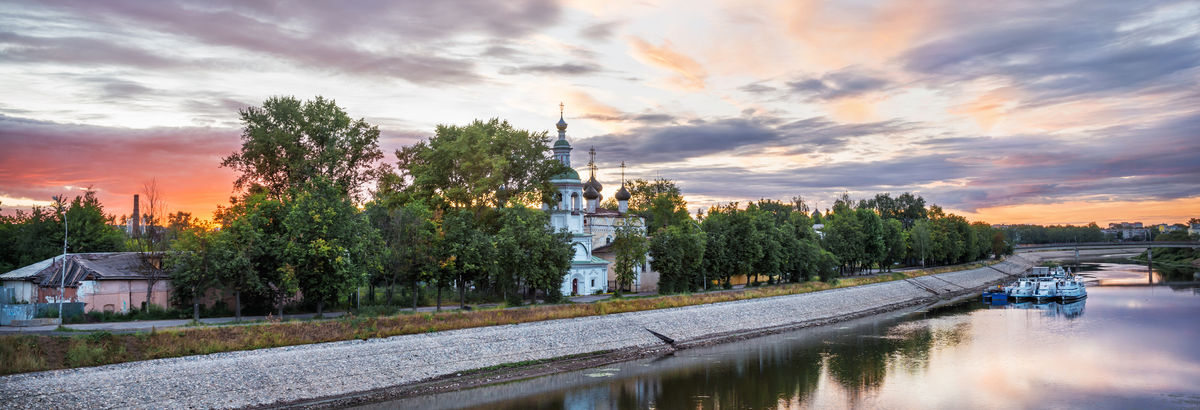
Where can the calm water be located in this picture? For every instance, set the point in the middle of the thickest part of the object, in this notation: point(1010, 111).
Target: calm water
point(1122, 347)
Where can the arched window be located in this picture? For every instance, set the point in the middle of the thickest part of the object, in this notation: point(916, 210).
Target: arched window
point(560, 202)
point(575, 201)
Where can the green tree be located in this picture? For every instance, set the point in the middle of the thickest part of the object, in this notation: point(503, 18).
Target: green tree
point(630, 247)
point(468, 253)
point(90, 229)
point(408, 233)
point(195, 263)
point(677, 254)
point(289, 144)
point(771, 241)
point(480, 165)
point(254, 236)
point(530, 253)
point(920, 241)
point(718, 263)
point(845, 237)
point(895, 240)
point(874, 247)
point(327, 242)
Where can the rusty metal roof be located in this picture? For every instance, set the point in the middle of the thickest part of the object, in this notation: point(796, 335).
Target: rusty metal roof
point(82, 266)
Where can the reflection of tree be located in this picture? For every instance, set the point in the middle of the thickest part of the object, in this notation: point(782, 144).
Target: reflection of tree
point(861, 365)
point(767, 375)
point(759, 380)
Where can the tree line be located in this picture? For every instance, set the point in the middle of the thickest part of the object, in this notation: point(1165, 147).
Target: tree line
point(771, 241)
point(318, 215)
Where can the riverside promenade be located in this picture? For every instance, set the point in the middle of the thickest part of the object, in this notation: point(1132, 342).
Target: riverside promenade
point(309, 372)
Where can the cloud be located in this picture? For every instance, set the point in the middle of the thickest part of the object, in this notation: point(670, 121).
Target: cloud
point(654, 143)
point(838, 84)
point(690, 74)
point(562, 69)
point(79, 50)
point(1063, 52)
point(42, 158)
point(405, 41)
point(602, 31)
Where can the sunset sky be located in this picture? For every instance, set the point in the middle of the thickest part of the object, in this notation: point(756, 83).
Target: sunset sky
point(1006, 112)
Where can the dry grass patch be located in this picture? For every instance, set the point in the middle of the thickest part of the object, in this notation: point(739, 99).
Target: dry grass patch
point(19, 354)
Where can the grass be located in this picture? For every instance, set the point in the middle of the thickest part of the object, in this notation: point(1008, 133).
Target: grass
point(27, 353)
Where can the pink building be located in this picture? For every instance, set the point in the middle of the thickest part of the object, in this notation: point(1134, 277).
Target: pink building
point(112, 282)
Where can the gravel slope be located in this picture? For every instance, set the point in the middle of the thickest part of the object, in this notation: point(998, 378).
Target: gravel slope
point(285, 374)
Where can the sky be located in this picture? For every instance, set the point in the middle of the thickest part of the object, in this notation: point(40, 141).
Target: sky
point(1046, 112)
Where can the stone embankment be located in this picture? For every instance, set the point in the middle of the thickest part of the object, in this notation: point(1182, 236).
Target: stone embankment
point(297, 373)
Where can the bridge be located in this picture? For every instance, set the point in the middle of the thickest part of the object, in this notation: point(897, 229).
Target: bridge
point(1105, 245)
point(1148, 246)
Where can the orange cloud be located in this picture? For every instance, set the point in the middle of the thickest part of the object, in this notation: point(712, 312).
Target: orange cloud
point(42, 159)
point(583, 103)
point(853, 109)
point(691, 75)
point(989, 108)
point(837, 37)
point(1083, 212)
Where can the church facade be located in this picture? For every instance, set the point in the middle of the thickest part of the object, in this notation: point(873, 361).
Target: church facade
point(592, 229)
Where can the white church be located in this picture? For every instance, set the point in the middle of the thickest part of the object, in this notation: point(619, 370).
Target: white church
point(592, 228)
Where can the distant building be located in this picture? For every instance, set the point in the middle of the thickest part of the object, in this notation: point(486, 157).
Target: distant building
point(111, 282)
point(1194, 229)
point(1127, 231)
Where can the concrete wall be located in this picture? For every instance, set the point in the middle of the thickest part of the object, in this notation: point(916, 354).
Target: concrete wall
point(122, 295)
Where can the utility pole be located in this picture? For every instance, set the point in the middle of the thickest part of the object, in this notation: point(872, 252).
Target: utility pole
point(62, 286)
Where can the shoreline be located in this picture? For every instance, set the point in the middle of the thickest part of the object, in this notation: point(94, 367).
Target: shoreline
point(367, 371)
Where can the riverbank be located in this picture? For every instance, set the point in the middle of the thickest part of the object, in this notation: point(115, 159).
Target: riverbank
point(374, 368)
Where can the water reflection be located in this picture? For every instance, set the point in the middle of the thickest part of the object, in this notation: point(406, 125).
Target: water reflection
point(1070, 310)
point(1134, 349)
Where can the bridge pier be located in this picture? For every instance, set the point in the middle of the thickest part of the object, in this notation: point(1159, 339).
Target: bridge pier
point(1150, 264)
point(1077, 258)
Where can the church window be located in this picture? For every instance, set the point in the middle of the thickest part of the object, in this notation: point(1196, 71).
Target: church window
point(593, 282)
point(575, 202)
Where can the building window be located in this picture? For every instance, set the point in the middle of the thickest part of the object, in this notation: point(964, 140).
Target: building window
point(593, 282)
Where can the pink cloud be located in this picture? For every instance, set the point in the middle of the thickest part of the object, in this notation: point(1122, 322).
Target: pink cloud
point(42, 159)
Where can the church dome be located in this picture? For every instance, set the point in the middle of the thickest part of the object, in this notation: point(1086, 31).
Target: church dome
point(589, 192)
point(594, 184)
point(562, 144)
point(622, 194)
point(569, 174)
point(562, 124)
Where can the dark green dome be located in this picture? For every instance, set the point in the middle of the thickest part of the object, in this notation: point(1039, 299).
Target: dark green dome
point(562, 144)
point(570, 174)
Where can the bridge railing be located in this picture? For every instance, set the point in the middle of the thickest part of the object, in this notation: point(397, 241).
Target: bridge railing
point(1128, 244)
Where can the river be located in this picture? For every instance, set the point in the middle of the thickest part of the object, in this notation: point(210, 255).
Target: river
point(1125, 346)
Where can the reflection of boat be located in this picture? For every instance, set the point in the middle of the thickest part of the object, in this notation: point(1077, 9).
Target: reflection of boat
point(1069, 310)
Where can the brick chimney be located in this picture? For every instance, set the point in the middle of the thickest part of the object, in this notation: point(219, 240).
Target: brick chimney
point(135, 219)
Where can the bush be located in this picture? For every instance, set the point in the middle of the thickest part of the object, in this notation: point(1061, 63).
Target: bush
point(21, 354)
point(82, 354)
point(378, 311)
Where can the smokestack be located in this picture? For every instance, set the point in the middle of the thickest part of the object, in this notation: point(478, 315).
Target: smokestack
point(135, 230)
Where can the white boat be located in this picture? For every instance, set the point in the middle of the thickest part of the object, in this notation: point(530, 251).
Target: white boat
point(1045, 283)
point(1047, 288)
point(1024, 287)
point(1071, 288)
